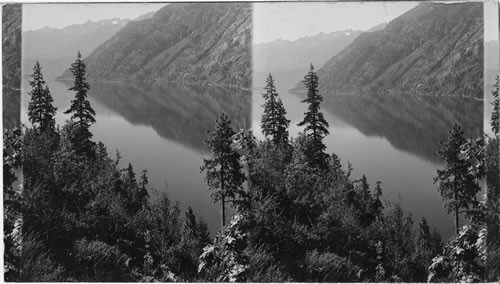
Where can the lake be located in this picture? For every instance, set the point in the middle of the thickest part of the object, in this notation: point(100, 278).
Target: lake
point(161, 128)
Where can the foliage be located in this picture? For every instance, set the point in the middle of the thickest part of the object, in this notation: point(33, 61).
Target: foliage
point(225, 260)
point(329, 267)
point(33, 262)
point(99, 261)
point(262, 266)
point(463, 258)
point(274, 122)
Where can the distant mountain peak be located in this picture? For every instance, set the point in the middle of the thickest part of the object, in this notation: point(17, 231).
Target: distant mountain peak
point(39, 44)
point(275, 56)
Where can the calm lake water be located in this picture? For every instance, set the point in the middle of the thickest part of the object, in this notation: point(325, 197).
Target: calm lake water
point(161, 128)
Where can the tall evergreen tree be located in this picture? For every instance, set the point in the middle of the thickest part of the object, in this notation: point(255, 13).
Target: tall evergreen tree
point(41, 112)
point(274, 122)
point(223, 171)
point(316, 127)
point(81, 112)
point(456, 185)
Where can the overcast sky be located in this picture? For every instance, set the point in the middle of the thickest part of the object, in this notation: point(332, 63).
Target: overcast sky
point(37, 16)
point(271, 21)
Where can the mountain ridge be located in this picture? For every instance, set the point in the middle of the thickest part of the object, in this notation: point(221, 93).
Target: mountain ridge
point(195, 43)
point(431, 49)
point(274, 56)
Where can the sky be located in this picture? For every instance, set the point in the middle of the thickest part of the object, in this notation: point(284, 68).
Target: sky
point(37, 16)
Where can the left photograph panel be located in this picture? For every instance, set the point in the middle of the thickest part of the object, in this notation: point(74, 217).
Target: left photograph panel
point(109, 111)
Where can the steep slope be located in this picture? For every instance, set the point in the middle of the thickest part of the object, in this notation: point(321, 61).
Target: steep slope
point(11, 63)
point(286, 55)
point(11, 45)
point(201, 43)
point(84, 37)
point(432, 49)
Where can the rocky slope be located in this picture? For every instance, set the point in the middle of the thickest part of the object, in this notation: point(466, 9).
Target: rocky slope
point(11, 45)
point(196, 43)
point(11, 64)
point(432, 49)
point(286, 55)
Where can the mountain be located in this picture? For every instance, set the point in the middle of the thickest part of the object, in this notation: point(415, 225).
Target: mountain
point(146, 16)
point(378, 27)
point(11, 63)
point(432, 49)
point(195, 43)
point(285, 55)
point(84, 37)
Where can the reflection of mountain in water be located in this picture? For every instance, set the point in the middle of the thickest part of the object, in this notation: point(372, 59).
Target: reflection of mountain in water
point(412, 124)
point(176, 112)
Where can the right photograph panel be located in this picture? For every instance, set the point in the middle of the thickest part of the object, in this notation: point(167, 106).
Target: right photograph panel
point(399, 94)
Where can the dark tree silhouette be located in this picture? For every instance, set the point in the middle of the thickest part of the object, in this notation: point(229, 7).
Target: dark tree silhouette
point(41, 112)
point(82, 114)
point(274, 122)
point(316, 127)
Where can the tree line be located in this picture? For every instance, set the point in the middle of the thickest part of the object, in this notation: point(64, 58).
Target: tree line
point(300, 215)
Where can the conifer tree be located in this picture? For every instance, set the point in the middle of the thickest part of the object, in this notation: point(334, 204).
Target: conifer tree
point(316, 127)
point(223, 171)
point(377, 206)
point(81, 112)
point(456, 185)
point(41, 112)
point(142, 193)
point(274, 122)
point(364, 189)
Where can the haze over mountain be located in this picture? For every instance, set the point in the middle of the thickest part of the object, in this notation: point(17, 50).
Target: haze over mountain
point(48, 44)
point(432, 49)
point(285, 55)
point(196, 43)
